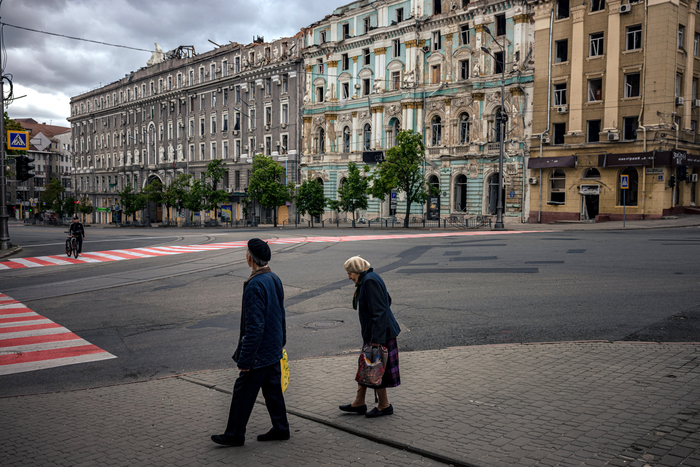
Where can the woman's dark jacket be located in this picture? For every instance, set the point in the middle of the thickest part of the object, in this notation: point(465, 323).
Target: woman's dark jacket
point(263, 324)
point(374, 306)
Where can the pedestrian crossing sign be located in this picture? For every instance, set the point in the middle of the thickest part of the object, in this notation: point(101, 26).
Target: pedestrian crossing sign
point(624, 182)
point(17, 139)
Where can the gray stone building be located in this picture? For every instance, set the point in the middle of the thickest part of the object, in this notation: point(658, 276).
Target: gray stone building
point(184, 110)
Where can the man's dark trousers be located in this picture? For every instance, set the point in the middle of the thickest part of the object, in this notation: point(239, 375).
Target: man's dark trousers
point(245, 391)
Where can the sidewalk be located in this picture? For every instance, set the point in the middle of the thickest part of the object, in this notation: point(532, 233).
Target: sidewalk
point(580, 403)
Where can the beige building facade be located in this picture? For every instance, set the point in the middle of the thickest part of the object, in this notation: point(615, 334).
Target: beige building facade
point(615, 106)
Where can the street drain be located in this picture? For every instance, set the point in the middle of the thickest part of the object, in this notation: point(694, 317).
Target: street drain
point(323, 324)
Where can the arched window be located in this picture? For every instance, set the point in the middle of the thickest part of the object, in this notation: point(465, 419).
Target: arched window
point(460, 191)
point(321, 141)
point(591, 173)
point(436, 126)
point(367, 136)
point(434, 183)
point(392, 133)
point(557, 187)
point(632, 193)
point(464, 129)
point(346, 139)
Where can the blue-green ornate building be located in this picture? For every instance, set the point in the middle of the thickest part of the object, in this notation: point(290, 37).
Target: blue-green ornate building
point(374, 68)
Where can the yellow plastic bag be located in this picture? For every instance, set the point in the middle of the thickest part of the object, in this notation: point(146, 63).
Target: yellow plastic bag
point(284, 366)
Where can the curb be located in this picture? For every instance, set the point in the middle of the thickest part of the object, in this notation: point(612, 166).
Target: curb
point(10, 253)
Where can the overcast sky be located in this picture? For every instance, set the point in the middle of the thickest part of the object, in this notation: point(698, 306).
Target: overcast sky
point(49, 69)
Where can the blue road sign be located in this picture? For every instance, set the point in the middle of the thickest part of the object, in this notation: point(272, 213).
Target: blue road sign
point(624, 182)
point(17, 139)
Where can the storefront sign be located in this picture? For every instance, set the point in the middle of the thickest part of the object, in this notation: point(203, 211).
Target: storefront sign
point(550, 162)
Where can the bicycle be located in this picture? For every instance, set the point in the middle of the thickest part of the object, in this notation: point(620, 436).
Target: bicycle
point(72, 245)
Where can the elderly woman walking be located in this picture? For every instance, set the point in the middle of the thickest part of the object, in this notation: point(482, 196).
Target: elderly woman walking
point(378, 327)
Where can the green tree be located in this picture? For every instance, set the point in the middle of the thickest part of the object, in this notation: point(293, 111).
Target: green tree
point(353, 194)
point(266, 185)
point(52, 197)
point(194, 199)
point(69, 206)
point(402, 170)
point(131, 202)
point(177, 191)
point(84, 206)
point(216, 171)
point(309, 198)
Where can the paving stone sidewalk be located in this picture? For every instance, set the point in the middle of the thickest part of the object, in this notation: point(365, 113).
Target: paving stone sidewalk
point(583, 404)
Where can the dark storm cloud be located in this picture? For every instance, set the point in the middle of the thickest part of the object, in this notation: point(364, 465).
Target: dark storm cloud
point(62, 67)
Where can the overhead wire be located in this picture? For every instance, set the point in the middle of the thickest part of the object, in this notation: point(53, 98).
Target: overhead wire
point(74, 38)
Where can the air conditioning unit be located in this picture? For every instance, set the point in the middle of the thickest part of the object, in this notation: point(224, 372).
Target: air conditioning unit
point(218, 90)
point(546, 140)
point(277, 143)
point(532, 180)
point(696, 102)
point(236, 132)
point(625, 8)
point(425, 49)
point(693, 178)
point(680, 101)
point(262, 146)
point(245, 147)
point(562, 109)
point(357, 86)
point(613, 136)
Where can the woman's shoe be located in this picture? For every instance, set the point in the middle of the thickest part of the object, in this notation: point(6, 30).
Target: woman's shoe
point(358, 410)
point(375, 412)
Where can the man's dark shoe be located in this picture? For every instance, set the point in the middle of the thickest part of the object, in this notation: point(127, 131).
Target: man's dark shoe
point(358, 410)
point(274, 435)
point(226, 441)
point(378, 413)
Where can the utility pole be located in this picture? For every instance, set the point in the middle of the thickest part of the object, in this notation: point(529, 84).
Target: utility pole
point(5, 243)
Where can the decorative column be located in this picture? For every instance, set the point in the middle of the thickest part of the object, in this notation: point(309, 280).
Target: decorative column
point(355, 80)
point(578, 51)
point(520, 35)
point(380, 68)
point(689, 58)
point(331, 142)
point(354, 135)
point(332, 79)
point(612, 71)
point(377, 125)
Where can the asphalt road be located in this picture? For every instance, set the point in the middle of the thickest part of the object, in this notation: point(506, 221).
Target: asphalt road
point(175, 314)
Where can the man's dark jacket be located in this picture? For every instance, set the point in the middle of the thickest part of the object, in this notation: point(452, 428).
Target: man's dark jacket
point(263, 324)
point(376, 319)
point(77, 228)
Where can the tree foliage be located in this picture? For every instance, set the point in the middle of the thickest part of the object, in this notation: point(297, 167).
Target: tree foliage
point(310, 199)
point(131, 202)
point(52, 197)
point(216, 171)
point(353, 194)
point(403, 170)
point(265, 185)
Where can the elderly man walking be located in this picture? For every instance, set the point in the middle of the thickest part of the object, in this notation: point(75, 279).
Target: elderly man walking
point(262, 338)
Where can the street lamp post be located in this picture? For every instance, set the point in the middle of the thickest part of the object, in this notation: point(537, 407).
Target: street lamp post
point(503, 118)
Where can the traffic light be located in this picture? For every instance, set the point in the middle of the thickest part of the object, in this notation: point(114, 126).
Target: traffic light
point(23, 168)
point(672, 181)
point(682, 173)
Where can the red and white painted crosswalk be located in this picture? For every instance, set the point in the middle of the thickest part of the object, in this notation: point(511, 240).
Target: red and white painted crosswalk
point(150, 252)
point(29, 342)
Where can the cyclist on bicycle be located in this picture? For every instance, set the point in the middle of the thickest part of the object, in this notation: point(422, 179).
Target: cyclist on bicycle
point(78, 231)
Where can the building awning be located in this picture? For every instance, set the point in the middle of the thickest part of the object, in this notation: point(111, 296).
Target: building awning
point(650, 158)
point(549, 162)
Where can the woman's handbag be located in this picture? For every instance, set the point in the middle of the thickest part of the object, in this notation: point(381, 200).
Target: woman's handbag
point(371, 365)
point(284, 366)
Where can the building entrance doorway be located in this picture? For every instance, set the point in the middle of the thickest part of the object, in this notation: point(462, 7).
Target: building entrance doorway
point(589, 207)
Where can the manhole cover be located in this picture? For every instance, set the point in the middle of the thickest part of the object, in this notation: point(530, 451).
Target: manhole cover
point(323, 324)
